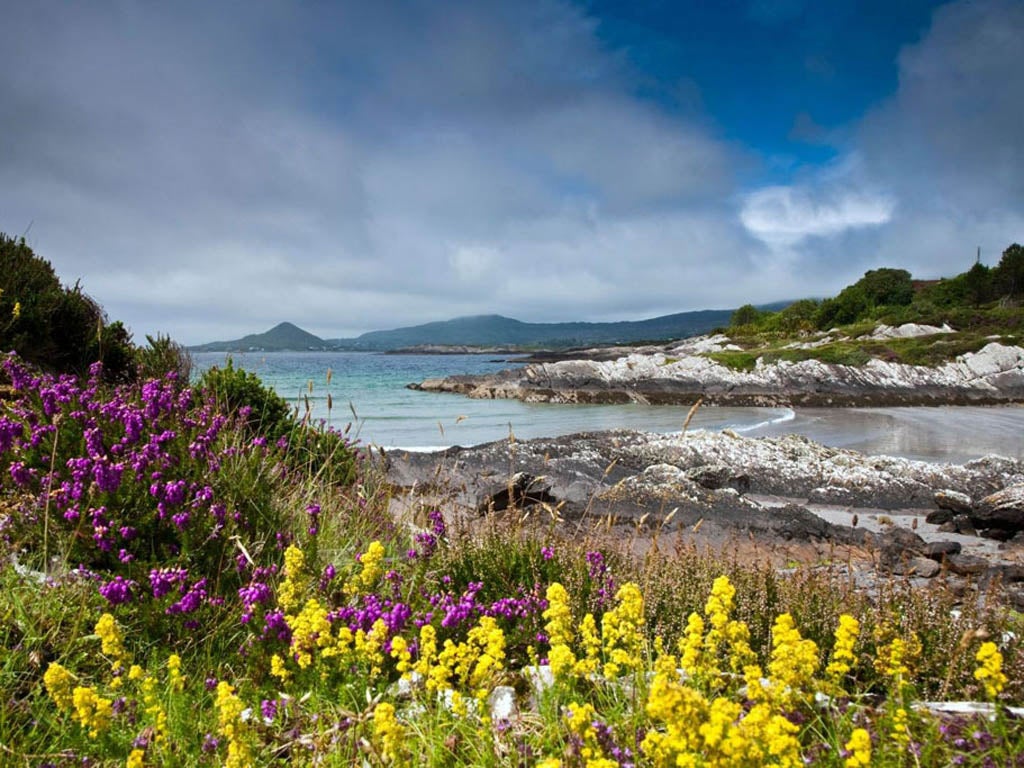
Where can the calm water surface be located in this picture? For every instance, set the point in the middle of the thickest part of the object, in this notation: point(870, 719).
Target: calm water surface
point(369, 392)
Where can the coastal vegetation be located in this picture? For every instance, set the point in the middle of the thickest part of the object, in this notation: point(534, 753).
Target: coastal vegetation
point(971, 308)
point(193, 575)
point(62, 329)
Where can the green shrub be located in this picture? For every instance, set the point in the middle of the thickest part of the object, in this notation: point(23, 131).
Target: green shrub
point(235, 390)
point(56, 328)
point(161, 356)
point(319, 452)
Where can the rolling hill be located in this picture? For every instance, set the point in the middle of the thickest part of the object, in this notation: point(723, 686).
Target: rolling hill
point(488, 331)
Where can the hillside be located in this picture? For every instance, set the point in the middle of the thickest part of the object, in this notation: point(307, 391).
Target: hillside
point(496, 330)
point(488, 331)
point(284, 336)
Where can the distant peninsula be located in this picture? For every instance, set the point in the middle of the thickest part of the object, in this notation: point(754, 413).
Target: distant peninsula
point(485, 333)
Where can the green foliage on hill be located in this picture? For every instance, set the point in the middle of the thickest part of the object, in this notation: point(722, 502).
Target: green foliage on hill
point(62, 329)
point(981, 298)
point(56, 327)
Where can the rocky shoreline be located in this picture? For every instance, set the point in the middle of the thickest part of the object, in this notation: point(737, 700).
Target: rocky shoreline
point(680, 374)
point(964, 522)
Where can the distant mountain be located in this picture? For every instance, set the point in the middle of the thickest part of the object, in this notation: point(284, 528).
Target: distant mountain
point(495, 330)
point(489, 331)
point(281, 337)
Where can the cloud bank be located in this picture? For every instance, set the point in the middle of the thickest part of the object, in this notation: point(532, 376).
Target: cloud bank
point(209, 170)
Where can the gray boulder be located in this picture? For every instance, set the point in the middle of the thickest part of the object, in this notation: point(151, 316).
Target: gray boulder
point(954, 502)
point(1003, 509)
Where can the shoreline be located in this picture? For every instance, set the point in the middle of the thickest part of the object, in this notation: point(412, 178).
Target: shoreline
point(685, 374)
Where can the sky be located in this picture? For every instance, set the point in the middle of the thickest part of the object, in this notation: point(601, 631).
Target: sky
point(209, 169)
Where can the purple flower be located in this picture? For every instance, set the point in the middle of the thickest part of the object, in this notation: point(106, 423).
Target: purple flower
point(269, 708)
point(118, 591)
point(547, 552)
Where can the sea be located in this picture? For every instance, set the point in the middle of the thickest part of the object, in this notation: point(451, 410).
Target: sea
point(366, 394)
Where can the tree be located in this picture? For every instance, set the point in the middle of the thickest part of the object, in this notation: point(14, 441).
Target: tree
point(748, 314)
point(887, 287)
point(1008, 275)
point(977, 284)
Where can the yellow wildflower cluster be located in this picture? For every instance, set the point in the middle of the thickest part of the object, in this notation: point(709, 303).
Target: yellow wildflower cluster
point(401, 654)
point(311, 629)
point(470, 666)
point(900, 731)
point(313, 639)
point(372, 561)
point(859, 747)
point(92, 711)
point(111, 642)
point(388, 734)
point(59, 684)
point(290, 590)
point(174, 677)
point(621, 632)
point(701, 723)
point(709, 648)
point(990, 669)
point(695, 731)
point(153, 707)
point(231, 726)
point(793, 663)
point(843, 658)
point(559, 628)
point(580, 720)
point(136, 759)
point(895, 656)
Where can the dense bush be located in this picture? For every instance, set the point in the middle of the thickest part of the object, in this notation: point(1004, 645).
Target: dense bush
point(58, 328)
point(320, 451)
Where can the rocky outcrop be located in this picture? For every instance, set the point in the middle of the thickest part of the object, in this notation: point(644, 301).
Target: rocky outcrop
point(712, 486)
point(1003, 509)
point(681, 374)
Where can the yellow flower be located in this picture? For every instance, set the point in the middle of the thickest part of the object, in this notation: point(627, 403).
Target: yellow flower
point(990, 669)
point(900, 728)
point(558, 615)
point(401, 653)
point(92, 710)
point(388, 733)
point(59, 683)
point(691, 644)
point(153, 707)
point(136, 759)
point(372, 561)
point(621, 631)
point(111, 641)
point(174, 676)
point(278, 668)
point(310, 630)
point(290, 590)
point(231, 726)
point(859, 747)
point(843, 658)
point(16, 312)
point(793, 661)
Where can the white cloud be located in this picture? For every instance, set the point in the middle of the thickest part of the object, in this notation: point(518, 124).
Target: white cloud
point(472, 263)
point(787, 215)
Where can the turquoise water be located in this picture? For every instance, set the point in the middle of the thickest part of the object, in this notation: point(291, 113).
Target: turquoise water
point(369, 393)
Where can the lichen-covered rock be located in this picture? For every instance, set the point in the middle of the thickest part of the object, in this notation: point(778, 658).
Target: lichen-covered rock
point(953, 501)
point(1003, 510)
point(994, 374)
